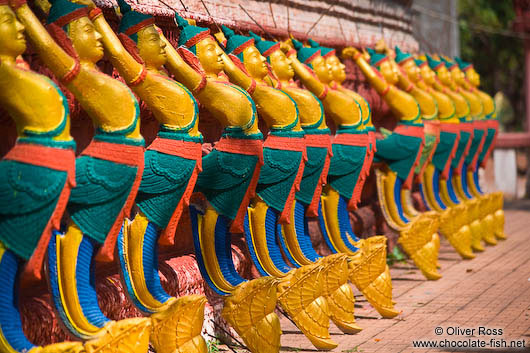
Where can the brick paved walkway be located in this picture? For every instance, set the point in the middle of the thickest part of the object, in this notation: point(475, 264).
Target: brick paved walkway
point(492, 291)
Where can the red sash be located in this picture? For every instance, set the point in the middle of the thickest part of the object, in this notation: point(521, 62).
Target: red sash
point(413, 131)
point(185, 149)
point(468, 128)
point(122, 154)
point(322, 141)
point(248, 147)
point(53, 158)
point(290, 144)
point(492, 124)
point(433, 128)
point(452, 128)
point(479, 125)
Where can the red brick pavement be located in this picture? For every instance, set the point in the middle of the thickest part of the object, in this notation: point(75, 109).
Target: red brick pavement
point(491, 291)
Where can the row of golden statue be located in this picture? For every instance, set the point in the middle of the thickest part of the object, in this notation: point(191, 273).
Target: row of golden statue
point(266, 188)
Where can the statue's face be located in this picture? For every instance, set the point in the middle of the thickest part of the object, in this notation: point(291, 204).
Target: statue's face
point(86, 40)
point(338, 72)
point(281, 65)
point(444, 75)
point(428, 75)
point(412, 70)
point(12, 41)
point(209, 55)
point(255, 63)
point(322, 69)
point(473, 77)
point(457, 75)
point(389, 72)
point(151, 47)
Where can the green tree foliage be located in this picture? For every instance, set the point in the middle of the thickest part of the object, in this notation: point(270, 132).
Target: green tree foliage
point(499, 59)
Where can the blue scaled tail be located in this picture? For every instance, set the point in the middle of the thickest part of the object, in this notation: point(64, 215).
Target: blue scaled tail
point(149, 265)
point(85, 283)
point(11, 332)
point(223, 252)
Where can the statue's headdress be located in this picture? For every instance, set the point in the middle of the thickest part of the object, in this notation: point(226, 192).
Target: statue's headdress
point(190, 35)
point(420, 62)
point(448, 63)
point(133, 21)
point(433, 63)
point(463, 65)
point(305, 54)
point(376, 59)
point(265, 47)
point(402, 57)
point(235, 43)
point(62, 12)
point(324, 51)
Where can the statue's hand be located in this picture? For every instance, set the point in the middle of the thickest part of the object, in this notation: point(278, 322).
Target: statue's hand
point(350, 52)
point(89, 3)
point(381, 46)
point(285, 46)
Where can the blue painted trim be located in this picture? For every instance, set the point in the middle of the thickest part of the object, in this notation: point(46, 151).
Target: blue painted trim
point(325, 234)
point(302, 232)
point(476, 180)
point(343, 216)
point(422, 193)
point(436, 180)
point(10, 322)
point(463, 177)
point(126, 275)
point(251, 249)
point(397, 197)
point(198, 254)
point(451, 189)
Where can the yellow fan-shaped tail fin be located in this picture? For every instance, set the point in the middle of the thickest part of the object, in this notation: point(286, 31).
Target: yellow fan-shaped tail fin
point(338, 293)
point(418, 242)
point(301, 296)
point(177, 328)
point(63, 347)
point(249, 309)
point(453, 227)
point(369, 272)
point(124, 336)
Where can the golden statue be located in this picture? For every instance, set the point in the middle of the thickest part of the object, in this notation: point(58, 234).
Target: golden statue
point(491, 126)
point(228, 181)
point(297, 247)
point(284, 158)
point(350, 149)
point(401, 152)
point(443, 143)
point(37, 176)
point(172, 164)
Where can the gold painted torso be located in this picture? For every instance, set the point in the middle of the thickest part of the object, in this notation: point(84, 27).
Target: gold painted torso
point(170, 102)
point(309, 108)
point(475, 104)
point(34, 102)
point(428, 106)
point(403, 105)
point(487, 102)
point(365, 108)
point(277, 108)
point(99, 95)
point(461, 105)
point(230, 104)
point(446, 107)
point(342, 108)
